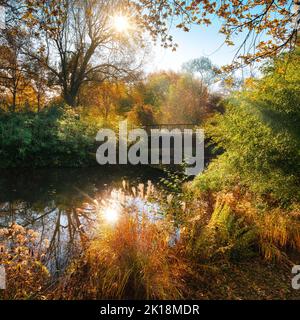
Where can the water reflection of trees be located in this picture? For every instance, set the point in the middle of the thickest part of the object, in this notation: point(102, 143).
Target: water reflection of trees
point(65, 228)
point(51, 202)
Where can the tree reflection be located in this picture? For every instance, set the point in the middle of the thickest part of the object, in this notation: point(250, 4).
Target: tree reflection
point(64, 228)
point(57, 204)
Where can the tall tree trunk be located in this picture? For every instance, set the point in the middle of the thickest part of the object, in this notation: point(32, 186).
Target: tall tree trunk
point(71, 93)
point(14, 102)
point(39, 102)
point(70, 98)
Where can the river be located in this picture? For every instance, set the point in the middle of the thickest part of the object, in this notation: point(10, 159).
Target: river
point(50, 201)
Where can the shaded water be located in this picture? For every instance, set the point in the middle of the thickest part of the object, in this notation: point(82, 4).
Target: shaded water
point(50, 201)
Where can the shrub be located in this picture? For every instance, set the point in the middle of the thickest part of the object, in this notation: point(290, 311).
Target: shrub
point(54, 137)
point(260, 135)
point(225, 236)
point(236, 224)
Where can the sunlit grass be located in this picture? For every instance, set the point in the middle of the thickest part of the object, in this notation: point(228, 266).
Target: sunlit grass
point(132, 250)
point(130, 255)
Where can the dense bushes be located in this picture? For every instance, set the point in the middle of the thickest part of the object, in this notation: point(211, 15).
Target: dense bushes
point(54, 137)
point(249, 196)
point(260, 135)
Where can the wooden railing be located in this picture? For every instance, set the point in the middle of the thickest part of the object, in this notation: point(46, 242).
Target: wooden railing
point(168, 126)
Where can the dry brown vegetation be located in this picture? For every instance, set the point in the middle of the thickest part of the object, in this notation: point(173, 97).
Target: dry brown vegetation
point(228, 249)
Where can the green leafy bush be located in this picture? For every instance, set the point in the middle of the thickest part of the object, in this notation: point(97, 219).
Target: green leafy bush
point(54, 137)
point(260, 134)
point(225, 236)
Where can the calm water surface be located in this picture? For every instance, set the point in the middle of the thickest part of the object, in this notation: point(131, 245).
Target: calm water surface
point(50, 201)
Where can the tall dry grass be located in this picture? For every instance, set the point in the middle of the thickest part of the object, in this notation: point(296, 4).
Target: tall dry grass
point(134, 258)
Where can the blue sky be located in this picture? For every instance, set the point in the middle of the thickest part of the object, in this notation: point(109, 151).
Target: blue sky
point(199, 41)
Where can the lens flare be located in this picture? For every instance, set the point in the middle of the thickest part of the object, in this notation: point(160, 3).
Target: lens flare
point(111, 215)
point(121, 23)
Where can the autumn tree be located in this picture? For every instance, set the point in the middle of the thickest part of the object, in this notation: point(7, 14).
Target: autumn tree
point(142, 115)
point(77, 42)
point(155, 89)
point(103, 98)
point(13, 65)
point(173, 97)
point(186, 101)
point(81, 45)
point(267, 27)
point(39, 78)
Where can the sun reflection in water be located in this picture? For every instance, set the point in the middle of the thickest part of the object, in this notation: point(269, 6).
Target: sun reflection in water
point(120, 202)
point(144, 205)
point(111, 215)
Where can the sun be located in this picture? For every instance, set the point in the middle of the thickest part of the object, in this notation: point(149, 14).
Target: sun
point(111, 215)
point(121, 23)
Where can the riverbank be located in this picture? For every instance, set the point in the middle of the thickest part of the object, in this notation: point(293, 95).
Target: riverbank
point(121, 245)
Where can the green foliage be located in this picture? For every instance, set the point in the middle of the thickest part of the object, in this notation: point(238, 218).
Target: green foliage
point(155, 90)
point(225, 236)
point(54, 137)
point(174, 180)
point(260, 134)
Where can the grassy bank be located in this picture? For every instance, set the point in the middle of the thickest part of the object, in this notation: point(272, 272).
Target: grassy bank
point(225, 251)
